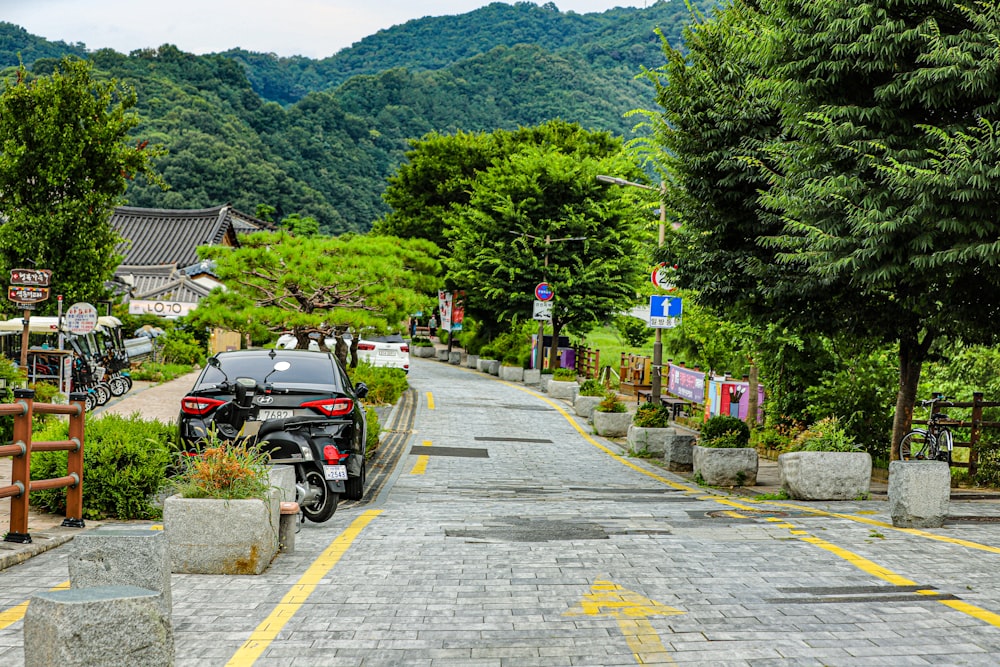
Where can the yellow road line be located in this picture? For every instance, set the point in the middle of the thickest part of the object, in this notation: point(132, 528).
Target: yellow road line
point(420, 467)
point(269, 628)
point(430, 401)
point(16, 613)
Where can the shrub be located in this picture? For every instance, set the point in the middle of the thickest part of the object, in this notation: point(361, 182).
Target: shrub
point(564, 374)
point(125, 462)
point(373, 431)
point(826, 435)
point(592, 387)
point(720, 427)
point(153, 372)
point(385, 385)
point(652, 416)
point(487, 352)
point(421, 342)
point(180, 347)
point(611, 403)
point(633, 331)
point(511, 359)
point(227, 470)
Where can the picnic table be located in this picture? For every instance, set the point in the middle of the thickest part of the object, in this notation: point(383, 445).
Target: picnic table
point(677, 405)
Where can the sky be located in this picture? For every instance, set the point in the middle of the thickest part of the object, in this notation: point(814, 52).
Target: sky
point(312, 28)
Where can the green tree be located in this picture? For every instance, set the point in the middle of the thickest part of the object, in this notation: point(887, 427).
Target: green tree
point(65, 160)
point(541, 215)
point(318, 286)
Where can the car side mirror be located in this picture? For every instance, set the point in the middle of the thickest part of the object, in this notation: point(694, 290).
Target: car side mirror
point(361, 390)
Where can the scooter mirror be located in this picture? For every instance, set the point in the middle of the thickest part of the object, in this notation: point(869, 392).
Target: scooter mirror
point(282, 366)
point(213, 362)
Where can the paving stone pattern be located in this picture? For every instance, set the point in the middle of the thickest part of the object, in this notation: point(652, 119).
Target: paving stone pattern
point(489, 561)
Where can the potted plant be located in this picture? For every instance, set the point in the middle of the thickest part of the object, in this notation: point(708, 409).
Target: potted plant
point(611, 419)
point(422, 347)
point(223, 518)
point(487, 356)
point(511, 369)
point(590, 394)
point(563, 384)
point(722, 456)
point(825, 464)
point(651, 432)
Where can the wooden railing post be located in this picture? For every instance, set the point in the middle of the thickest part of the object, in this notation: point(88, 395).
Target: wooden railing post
point(74, 462)
point(977, 426)
point(21, 468)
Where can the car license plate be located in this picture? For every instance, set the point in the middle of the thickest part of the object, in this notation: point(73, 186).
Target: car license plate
point(273, 413)
point(387, 353)
point(335, 473)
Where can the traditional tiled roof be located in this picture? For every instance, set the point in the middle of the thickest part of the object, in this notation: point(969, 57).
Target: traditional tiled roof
point(162, 282)
point(161, 236)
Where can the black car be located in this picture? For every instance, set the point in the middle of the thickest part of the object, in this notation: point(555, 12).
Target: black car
point(286, 391)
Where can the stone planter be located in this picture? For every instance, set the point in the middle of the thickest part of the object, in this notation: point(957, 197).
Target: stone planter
point(531, 376)
point(455, 357)
point(543, 381)
point(648, 440)
point(560, 389)
point(425, 352)
point(472, 360)
point(442, 354)
point(611, 424)
point(584, 405)
point(725, 467)
point(209, 536)
point(494, 367)
point(825, 475)
point(483, 365)
point(511, 373)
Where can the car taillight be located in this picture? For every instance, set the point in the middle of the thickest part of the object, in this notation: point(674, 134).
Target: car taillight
point(332, 407)
point(199, 406)
point(332, 455)
point(404, 348)
point(367, 347)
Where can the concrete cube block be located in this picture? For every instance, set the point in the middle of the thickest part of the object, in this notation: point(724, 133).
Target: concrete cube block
point(111, 556)
point(919, 493)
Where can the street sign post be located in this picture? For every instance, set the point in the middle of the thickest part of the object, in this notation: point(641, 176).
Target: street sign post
point(543, 292)
point(665, 311)
point(28, 287)
point(81, 318)
point(663, 277)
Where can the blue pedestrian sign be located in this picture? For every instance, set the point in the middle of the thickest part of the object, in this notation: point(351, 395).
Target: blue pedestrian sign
point(664, 311)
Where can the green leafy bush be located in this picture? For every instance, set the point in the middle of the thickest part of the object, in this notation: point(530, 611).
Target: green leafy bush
point(487, 352)
point(125, 462)
point(511, 359)
point(152, 372)
point(826, 435)
point(725, 429)
point(373, 431)
point(181, 347)
point(652, 416)
point(421, 342)
point(611, 403)
point(385, 385)
point(633, 331)
point(564, 375)
point(591, 387)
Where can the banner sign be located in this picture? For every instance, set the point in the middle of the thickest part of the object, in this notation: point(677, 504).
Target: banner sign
point(731, 397)
point(686, 383)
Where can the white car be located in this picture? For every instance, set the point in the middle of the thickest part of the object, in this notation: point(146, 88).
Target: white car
point(390, 351)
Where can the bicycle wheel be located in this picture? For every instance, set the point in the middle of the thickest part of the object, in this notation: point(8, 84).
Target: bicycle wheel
point(914, 446)
point(945, 446)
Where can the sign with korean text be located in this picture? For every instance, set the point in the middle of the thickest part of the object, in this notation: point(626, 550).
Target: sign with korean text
point(81, 318)
point(664, 311)
point(34, 277)
point(26, 294)
point(160, 308)
point(542, 311)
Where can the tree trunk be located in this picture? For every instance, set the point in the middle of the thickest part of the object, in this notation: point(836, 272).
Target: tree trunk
point(752, 399)
point(911, 360)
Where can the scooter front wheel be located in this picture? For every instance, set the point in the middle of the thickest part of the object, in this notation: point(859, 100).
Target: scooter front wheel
point(325, 502)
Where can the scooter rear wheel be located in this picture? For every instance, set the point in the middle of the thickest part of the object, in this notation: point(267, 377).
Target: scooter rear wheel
point(325, 504)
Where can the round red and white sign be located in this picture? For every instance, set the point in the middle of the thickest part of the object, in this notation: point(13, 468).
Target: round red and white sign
point(81, 318)
point(663, 277)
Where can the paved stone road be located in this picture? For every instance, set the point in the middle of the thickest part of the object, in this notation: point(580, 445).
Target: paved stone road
point(511, 536)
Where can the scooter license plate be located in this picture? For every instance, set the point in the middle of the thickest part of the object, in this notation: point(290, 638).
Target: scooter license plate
point(335, 473)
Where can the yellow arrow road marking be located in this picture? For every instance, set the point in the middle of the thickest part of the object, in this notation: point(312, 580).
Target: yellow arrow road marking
point(630, 609)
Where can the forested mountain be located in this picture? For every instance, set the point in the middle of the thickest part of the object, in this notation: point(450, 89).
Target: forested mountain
point(321, 137)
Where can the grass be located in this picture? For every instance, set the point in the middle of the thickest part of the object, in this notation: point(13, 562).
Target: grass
point(610, 344)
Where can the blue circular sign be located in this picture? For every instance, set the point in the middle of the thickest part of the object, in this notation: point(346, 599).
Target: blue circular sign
point(543, 292)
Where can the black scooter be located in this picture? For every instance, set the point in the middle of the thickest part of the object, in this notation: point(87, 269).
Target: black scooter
point(303, 442)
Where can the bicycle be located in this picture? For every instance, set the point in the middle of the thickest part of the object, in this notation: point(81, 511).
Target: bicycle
point(934, 443)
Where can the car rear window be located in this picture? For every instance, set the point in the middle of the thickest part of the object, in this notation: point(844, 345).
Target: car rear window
point(313, 371)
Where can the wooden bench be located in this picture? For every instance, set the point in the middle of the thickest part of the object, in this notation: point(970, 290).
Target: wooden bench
point(677, 405)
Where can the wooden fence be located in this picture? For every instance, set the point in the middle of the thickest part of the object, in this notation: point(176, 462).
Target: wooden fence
point(588, 362)
point(23, 410)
